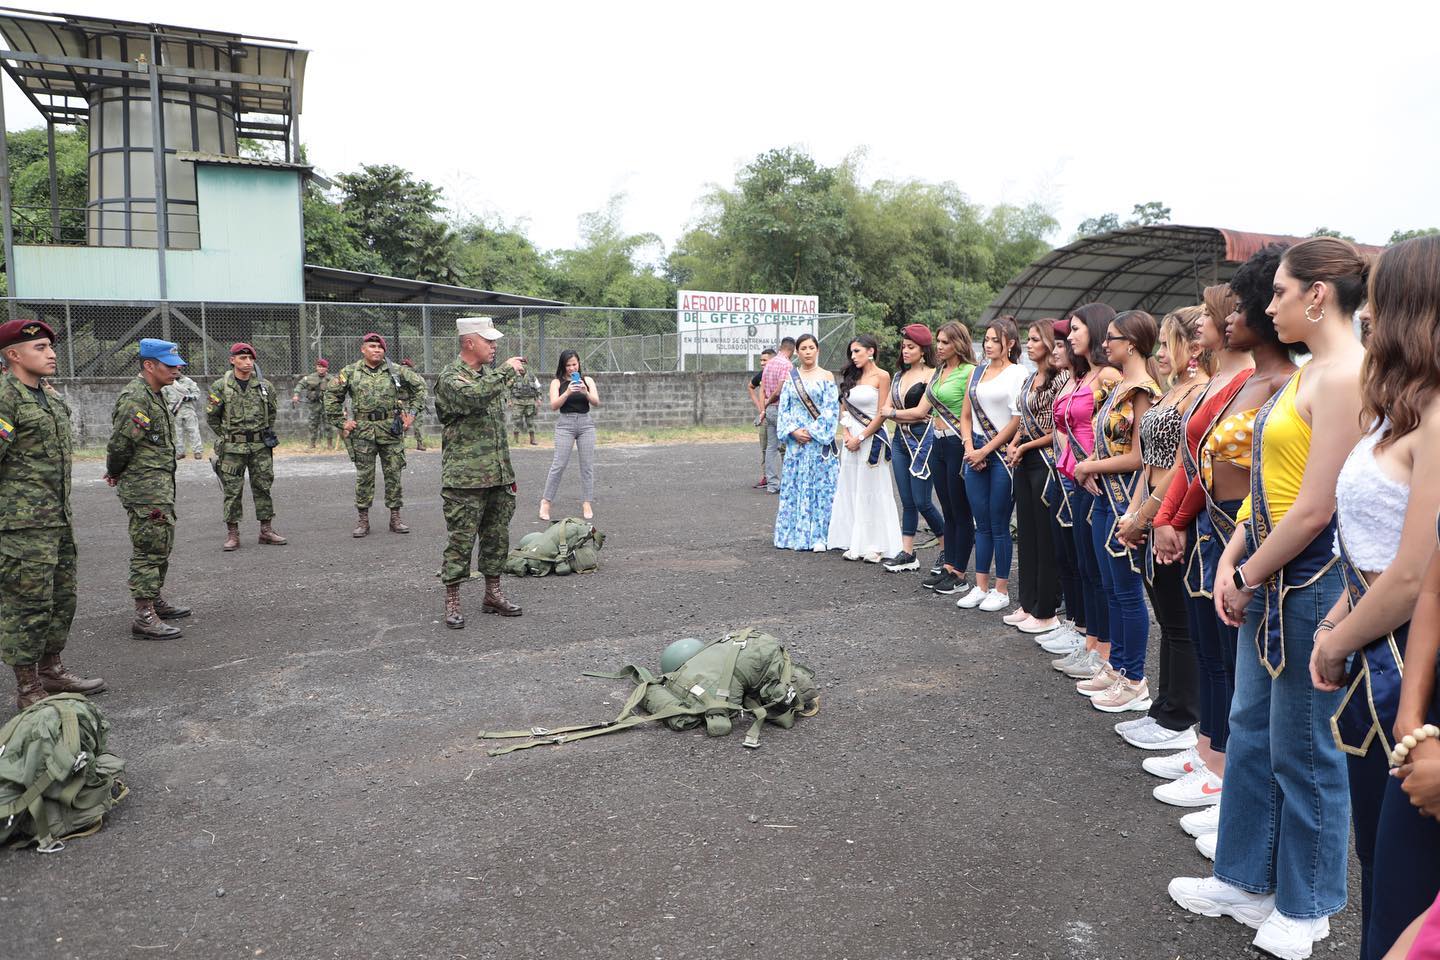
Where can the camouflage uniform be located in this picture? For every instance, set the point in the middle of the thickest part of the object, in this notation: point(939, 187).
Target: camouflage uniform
point(240, 413)
point(377, 395)
point(37, 543)
point(183, 398)
point(476, 480)
point(141, 456)
point(522, 405)
point(311, 389)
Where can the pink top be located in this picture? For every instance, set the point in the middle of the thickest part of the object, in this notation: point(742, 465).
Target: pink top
point(1074, 417)
point(1427, 942)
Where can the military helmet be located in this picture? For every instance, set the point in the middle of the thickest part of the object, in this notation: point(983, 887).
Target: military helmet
point(678, 652)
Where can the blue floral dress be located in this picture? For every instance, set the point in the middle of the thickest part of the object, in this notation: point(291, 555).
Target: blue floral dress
point(807, 483)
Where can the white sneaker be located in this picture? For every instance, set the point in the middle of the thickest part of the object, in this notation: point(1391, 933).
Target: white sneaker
point(1201, 822)
point(1206, 844)
point(1088, 667)
point(972, 599)
point(1070, 659)
point(1017, 618)
point(1032, 626)
point(1210, 897)
point(1175, 765)
point(851, 555)
point(874, 557)
point(995, 601)
point(1124, 726)
point(1064, 642)
point(1065, 627)
point(1288, 938)
point(1157, 737)
point(820, 547)
point(1198, 789)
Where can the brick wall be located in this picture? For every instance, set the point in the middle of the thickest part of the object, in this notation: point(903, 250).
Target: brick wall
point(630, 401)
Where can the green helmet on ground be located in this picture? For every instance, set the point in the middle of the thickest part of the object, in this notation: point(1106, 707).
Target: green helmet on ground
point(678, 652)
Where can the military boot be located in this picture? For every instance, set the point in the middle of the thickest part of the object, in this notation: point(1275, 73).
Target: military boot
point(396, 524)
point(267, 535)
point(148, 625)
point(166, 610)
point(362, 528)
point(28, 688)
point(495, 601)
point(232, 537)
point(532, 438)
point(454, 619)
point(56, 679)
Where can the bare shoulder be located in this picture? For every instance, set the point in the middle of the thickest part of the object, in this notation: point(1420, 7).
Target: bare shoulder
point(827, 375)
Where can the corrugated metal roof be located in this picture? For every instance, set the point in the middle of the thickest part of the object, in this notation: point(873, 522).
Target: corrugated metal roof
point(218, 158)
point(353, 286)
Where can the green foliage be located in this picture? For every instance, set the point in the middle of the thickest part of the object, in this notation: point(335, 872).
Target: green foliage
point(30, 183)
point(1141, 215)
point(1400, 235)
point(331, 240)
point(611, 268)
point(393, 213)
point(496, 256)
point(1327, 232)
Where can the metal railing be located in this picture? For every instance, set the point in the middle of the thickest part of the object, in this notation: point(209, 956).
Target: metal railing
point(108, 225)
point(98, 337)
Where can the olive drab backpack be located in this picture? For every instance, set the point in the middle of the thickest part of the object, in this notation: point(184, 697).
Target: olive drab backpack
point(571, 545)
point(56, 780)
point(742, 674)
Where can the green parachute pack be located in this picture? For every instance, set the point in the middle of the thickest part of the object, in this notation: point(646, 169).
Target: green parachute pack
point(571, 545)
point(748, 673)
point(56, 780)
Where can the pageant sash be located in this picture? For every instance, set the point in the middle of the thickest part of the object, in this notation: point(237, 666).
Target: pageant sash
point(797, 383)
point(918, 447)
point(878, 440)
point(1118, 488)
point(1303, 570)
point(978, 417)
point(951, 418)
point(1030, 424)
point(1373, 699)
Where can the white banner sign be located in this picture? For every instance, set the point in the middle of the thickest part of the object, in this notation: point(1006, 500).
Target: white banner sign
point(740, 323)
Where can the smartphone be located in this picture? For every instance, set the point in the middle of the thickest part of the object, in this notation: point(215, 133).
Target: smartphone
point(575, 377)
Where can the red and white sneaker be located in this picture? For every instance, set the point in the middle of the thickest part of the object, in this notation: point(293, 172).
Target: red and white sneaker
point(1198, 789)
point(1173, 766)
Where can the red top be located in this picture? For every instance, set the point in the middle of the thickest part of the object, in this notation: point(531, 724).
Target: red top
point(1185, 498)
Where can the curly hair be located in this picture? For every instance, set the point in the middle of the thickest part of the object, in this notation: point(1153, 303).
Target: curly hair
point(1401, 373)
point(1254, 287)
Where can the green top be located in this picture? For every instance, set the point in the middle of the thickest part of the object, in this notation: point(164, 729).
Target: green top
point(470, 405)
point(376, 395)
point(141, 451)
point(951, 389)
point(34, 457)
point(237, 406)
point(311, 387)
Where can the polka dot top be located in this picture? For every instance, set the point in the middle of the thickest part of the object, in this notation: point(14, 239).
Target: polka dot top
point(1229, 442)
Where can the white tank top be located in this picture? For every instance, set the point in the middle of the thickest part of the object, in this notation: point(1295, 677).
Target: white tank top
point(1370, 506)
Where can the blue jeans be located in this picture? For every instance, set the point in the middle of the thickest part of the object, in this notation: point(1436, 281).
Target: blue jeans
point(915, 495)
point(992, 500)
point(1285, 822)
point(1215, 642)
point(1097, 608)
point(947, 461)
point(1129, 621)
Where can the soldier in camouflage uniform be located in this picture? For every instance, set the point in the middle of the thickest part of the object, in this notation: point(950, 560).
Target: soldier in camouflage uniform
point(384, 401)
point(524, 402)
point(241, 411)
point(415, 428)
point(183, 398)
point(37, 541)
point(311, 388)
point(477, 484)
point(140, 461)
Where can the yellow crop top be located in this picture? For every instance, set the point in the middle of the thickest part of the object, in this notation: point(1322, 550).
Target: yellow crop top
point(1229, 442)
point(1284, 451)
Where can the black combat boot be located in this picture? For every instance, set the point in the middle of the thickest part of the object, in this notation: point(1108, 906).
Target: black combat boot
point(148, 625)
point(362, 528)
point(28, 688)
point(495, 601)
point(396, 524)
point(56, 679)
point(232, 537)
point(532, 438)
point(454, 619)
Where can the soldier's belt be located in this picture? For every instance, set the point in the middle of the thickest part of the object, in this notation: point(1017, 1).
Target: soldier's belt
point(378, 415)
point(245, 436)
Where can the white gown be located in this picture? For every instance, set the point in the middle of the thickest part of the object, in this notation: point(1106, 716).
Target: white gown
point(864, 519)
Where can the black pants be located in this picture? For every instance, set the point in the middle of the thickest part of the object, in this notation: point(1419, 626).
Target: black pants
point(1039, 579)
point(947, 464)
point(1177, 701)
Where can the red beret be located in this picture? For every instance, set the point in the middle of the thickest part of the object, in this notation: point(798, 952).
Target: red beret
point(240, 348)
point(918, 333)
point(407, 362)
point(374, 338)
point(322, 362)
point(23, 331)
point(1062, 329)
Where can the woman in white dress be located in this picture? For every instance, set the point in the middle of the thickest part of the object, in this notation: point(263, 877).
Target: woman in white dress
point(863, 521)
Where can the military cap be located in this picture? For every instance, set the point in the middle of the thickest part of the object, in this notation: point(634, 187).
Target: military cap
point(407, 362)
point(23, 331)
point(240, 348)
point(483, 326)
point(374, 338)
point(322, 362)
point(161, 350)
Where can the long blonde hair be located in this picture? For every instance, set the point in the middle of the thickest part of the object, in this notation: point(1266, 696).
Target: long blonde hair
point(1179, 329)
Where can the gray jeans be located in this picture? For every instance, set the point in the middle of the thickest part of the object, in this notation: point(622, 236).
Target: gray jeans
point(573, 430)
point(772, 448)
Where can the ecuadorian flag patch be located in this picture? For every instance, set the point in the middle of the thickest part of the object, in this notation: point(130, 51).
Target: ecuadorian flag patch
point(214, 399)
point(140, 419)
point(7, 429)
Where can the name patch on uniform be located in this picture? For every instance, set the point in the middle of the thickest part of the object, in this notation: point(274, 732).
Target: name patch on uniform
point(7, 429)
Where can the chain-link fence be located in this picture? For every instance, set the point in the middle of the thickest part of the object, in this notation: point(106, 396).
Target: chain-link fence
point(97, 337)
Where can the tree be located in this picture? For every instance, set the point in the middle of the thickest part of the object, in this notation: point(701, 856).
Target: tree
point(497, 256)
point(331, 240)
point(1327, 232)
point(392, 212)
point(1105, 223)
point(30, 183)
point(1401, 235)
point(610, 267)
point(1141, 215)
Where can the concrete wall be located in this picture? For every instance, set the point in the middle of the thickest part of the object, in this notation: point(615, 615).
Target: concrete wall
point(629, 402)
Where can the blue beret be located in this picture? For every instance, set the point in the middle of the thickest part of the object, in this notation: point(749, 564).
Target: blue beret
point(162, 350)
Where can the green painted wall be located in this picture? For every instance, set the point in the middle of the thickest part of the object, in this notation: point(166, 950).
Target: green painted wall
point(252, 249)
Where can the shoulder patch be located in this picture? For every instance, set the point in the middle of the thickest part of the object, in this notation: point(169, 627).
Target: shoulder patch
point(7, 429)
point(214, 399)
point(140, 419)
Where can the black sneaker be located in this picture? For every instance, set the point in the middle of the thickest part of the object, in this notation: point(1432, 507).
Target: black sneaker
point(951, 584)
point(935, 579)
point(904, 560)
point(938, 567)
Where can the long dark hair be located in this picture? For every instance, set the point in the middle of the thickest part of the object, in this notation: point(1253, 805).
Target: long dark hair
point(565, 357)
point(1143, 332)
point(1097, 318)
point(927, 355)
point(1399, 376)
point(1006, 329)
point(850, 375)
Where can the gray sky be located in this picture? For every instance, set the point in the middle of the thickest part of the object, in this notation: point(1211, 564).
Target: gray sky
point(1254, 115)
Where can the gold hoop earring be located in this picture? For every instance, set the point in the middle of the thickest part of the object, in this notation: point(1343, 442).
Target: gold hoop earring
point(1310, 307)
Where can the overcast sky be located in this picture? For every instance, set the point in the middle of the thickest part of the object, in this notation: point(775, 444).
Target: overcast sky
point(1235, 114)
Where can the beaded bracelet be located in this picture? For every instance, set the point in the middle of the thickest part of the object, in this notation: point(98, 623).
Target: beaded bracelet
point(1408, 742)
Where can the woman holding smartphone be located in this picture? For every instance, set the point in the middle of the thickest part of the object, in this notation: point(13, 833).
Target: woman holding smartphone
point(573, 395)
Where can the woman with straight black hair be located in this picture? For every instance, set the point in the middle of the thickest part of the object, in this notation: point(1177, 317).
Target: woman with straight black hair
point(573, 394)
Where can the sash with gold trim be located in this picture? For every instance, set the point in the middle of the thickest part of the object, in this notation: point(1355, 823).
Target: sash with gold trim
point(827, 450)
point(878, 441)
point(917, 447)
point(951, 418)
point(1117, 487)
point(978, 417)
point(1030, 424)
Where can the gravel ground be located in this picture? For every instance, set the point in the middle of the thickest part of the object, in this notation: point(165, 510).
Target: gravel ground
point(306, 781)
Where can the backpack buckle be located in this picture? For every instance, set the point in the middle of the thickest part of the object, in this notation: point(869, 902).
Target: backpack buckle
point(79, 761)
point(539, 731)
